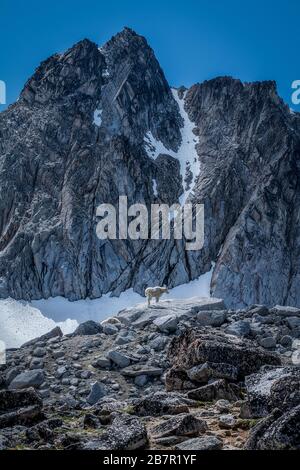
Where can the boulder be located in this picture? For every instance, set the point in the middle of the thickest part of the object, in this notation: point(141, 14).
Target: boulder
point(239, 328)
point(211, 318)
point(267, 343)
point(279, 431)
point(219, 389)
point(110, 329)
point(273, 388)
point(29, 378)
point(141, 315)
point(55, 333)
point(88, 328)
point(125, 433)
point(285, 311)
point(98, 391)
point(195, 347)
point(212, 370)
point(293, 322)
point(118, 358)
point(161, 403)
point(181, 425)
point(166, 324)
point(136, 370)
point(19, 407)
point(201, 443)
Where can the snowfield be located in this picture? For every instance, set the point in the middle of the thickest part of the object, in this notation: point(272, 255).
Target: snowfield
point(186, 154)
point(21, 321)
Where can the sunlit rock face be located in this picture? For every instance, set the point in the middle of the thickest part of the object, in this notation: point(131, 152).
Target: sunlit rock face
point(96, 123)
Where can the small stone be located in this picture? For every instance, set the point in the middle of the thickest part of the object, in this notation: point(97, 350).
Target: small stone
point(141, 380)
point(109, 329)
point(167, 323)
point(239, 328)
point(102, 363)
point(36, 363)
point(227, 421)
point(268, 342)
point(286, 341)
point(39, 352)
point(223, 406)
point(61, 371)
point(98, 391)
point(119, 358)
point(85, 374)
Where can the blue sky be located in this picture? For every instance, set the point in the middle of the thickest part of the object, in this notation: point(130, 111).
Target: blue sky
point(194, 40)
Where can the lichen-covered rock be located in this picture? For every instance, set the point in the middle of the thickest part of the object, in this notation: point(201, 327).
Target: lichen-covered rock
point(273, 388)
point(198, 346)
point(181, 425)
point(279, 431)
point(161, 403)
point(216, 390)
point(19, 407)
point(125, 433)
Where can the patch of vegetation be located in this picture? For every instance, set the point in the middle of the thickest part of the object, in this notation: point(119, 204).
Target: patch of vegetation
point(247, 423)
point(203, 403)
point(129, 410)
point(20, 447)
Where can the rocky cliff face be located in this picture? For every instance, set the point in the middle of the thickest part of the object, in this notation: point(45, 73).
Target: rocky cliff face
point(93, 124)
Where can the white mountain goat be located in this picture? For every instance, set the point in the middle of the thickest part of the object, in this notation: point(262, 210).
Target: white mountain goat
point(155, 292)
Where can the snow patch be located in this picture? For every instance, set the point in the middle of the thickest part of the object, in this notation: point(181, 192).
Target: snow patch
point(154, 147)
point(20, 322)
point(186, 154)
point(97, 117)
point(154, 185)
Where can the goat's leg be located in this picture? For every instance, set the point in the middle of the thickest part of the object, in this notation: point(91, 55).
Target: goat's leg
point(157, 298)
point(148, 300)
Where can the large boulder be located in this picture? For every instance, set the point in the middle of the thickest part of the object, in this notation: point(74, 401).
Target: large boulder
point(285, 311)
point(216, 390)
point(273, 388)
point(197, 347)
point(56, 332)
point(141, 315)
point(126, 433)
point(29, 378)
point(182, 425)
point(161, 403)
point(88, 328)
point(19, 407)
point(279, 431)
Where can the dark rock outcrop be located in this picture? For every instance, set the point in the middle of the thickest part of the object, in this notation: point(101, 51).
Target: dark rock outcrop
point(198, 347)
point(279, 431)
point(93, 124)
point(273, 388)
point(19, 408)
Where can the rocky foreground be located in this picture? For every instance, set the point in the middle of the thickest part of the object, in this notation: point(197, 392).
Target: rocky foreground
point(187, 375)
